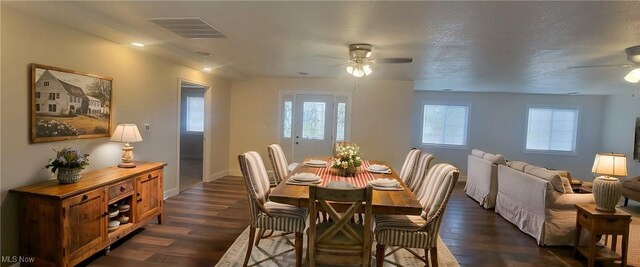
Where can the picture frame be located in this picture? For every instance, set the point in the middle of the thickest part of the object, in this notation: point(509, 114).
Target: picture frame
point(67, 104)
point(636, 141)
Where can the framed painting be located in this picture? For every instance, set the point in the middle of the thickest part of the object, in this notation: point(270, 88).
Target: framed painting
point(67, 104)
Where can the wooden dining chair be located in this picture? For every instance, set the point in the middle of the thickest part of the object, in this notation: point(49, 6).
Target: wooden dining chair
point(279, 163)
point(264, 213)
point(420, 172)
point(412, 231)
point(409, 165)
point(340, 241)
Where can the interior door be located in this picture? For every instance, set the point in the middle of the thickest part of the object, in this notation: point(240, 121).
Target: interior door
point(313, 126)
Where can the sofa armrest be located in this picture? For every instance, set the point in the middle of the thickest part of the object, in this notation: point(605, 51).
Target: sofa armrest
point(569, 201)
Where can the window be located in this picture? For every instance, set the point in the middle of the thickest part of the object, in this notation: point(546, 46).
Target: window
point(195, 114)
point(52, 96)
point(445, 124)
point(46, 83)
point(70, 98)
point(52, 107)
point(37, 107)
point(313, 120)
point(552, 129)
point(57, 95)
point(287, 112)
point(37, 94)
point(341, 121)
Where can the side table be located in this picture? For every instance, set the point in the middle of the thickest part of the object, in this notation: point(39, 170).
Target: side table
point(602, 223)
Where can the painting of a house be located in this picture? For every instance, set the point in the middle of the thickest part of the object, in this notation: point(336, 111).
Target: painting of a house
point(68, 105)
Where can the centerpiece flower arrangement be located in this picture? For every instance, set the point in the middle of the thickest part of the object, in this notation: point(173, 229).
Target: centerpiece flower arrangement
point(68, 162)
point(347, 159)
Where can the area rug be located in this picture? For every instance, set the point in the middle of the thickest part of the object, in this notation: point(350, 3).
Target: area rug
point(278, 251)
point(633, 255)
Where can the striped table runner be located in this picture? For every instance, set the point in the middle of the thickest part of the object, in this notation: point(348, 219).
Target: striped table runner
point(329, 174)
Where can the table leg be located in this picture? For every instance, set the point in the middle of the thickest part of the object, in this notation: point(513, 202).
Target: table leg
point(625, 246)
point(592, 250)
point(614, 242)
point(576, 243)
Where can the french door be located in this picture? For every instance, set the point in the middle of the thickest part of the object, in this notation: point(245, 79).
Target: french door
point(313, 126)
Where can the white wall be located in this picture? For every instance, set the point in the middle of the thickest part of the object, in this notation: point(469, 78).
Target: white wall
point(621, 111)
point(381, 115)
point(497, 124)
point(145, 90)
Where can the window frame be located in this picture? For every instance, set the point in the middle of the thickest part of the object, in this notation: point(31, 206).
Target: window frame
point(445, 103)
point(576, 134)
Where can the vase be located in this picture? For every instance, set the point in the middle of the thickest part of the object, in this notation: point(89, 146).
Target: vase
point(348, 172)
point(68, 175)
point(606, 191)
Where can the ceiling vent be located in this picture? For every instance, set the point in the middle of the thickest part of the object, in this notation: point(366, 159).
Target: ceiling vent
point(190, 28)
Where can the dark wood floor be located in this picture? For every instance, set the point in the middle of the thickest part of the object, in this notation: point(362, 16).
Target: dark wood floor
point(203, 221)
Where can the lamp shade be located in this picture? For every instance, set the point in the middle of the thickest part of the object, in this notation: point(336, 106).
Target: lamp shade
point(633, 76)
point(610, 164)
point(126, 133)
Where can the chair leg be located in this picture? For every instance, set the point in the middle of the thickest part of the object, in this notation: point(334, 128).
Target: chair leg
point(298, 249)
point(434, 256)
point(260, 234)
point(252, 235)
point(379, 255)
point(626, 201)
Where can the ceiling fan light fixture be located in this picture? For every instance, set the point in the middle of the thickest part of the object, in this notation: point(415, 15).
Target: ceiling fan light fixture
point(633, 76)
point(367, 69)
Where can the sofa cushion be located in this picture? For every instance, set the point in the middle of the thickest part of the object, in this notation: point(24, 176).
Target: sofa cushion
point(497, 159)
point(478, 153)
point(567, 185)
point(633, 184)
point(518, 165)
point(530, 168)
point(551, 176)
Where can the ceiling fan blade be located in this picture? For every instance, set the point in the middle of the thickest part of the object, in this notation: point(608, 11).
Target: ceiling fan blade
point(601, 66)
point(336, 65)
point(330, 57)
point(394, 60)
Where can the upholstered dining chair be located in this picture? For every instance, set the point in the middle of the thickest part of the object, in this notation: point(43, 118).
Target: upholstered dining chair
point(409, 165)
point(413, 231)
point(279, 163)
point(420, 171)
point(339, 241)
point(264, 213)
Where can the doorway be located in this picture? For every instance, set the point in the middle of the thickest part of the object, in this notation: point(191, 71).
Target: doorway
point(192, 126)
point(313, 126)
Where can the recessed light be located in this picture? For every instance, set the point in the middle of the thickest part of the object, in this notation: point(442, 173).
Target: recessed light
point(206, 69)
point(303, 73)
point(138, 44)
point(573, 93)
point(447, 90)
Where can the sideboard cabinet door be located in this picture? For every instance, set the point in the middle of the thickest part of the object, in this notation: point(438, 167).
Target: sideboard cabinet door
point(86, 222)
point(148, 194)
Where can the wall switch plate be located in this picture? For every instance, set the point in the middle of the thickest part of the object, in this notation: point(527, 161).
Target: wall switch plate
point(147, 127)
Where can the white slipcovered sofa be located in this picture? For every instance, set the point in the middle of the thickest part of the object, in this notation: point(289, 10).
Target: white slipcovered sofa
point(539, 202)
point(482, 177)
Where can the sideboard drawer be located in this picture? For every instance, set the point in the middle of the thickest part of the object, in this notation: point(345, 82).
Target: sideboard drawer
point(120, 189)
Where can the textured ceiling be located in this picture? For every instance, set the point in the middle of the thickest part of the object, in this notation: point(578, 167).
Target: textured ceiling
point(521, 47)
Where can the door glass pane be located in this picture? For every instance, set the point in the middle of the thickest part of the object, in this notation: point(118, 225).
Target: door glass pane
point(313, 120)
point(195, 114)
point(286, 119)
point(342, 107)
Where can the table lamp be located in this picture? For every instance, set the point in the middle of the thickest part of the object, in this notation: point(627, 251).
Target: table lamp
point(126, 133)
point(607, 189)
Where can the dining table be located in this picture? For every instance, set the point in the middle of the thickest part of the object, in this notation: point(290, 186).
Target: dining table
point(399, 201)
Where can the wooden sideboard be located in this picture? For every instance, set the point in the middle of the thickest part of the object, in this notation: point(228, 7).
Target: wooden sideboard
point(63, 224)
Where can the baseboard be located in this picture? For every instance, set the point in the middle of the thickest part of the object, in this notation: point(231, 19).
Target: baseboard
point(216, 176)
point(171, 192)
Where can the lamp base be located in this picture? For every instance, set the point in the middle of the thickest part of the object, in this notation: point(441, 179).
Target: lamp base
point(127, 165)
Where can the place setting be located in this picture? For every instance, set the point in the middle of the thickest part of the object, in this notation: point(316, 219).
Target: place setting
point(316, 163)
point(378, 168)
point(386, 184)
point(304, 178)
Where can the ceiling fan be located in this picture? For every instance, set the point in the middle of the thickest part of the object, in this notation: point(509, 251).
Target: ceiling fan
point(633, 56)
point(360, 61)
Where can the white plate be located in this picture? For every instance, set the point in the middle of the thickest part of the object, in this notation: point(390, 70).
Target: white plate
point(397, 188)
point(375, 171)
point(385, 182)
point(294, 182)
point(378, 167)
point(317, 162)
point(305, 177)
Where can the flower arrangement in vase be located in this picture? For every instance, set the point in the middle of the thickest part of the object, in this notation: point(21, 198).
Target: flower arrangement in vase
point(347, 159)
point(68, 162)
